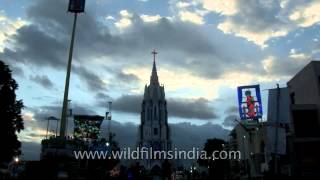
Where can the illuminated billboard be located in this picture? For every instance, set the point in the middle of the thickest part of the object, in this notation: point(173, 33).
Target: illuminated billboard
point(250, 106)
point(87, 127)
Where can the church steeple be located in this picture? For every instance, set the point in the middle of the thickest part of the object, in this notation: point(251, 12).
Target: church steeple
point(154, 75)
point(154, 130)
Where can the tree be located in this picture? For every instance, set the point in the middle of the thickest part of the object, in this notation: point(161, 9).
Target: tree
point(11, 121)
point(217, 168)
point(166, 169)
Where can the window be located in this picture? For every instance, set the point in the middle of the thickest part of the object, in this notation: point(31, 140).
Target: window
point(306, 123)
point(292, 98)
point(155, 131)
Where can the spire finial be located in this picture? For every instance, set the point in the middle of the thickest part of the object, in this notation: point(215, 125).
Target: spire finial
point(154, 76)
point(154, 52)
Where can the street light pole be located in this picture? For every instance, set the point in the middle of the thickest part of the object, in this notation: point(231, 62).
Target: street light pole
point(66, 88)
point(247, 144)
point(75, 6)
point(276, 133)
point(47, 128)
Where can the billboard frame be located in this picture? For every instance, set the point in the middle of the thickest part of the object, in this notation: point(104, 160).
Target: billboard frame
point(257, 99)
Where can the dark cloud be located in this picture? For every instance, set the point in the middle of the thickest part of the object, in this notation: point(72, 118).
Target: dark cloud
point(198, 109)
point(45, 42)
point(43, 112)
point(93, 81)
point(231, 114)
point(126, 136)
point(197, 134)
point(102, 96)
point(177, 49)
point(126, 133)
point(36, 47)
point(126, 78)
point(258, 16)
point(182, 108)
point(128, 103)
point(42, 80)
point(265, 20)
point(232, 110)
point(288, 67)
point(229, 121)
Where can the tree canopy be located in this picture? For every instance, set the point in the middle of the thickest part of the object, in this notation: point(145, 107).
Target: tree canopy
point(11, 121)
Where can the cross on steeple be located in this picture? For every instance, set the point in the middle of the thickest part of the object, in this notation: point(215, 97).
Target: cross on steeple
point(154, 52)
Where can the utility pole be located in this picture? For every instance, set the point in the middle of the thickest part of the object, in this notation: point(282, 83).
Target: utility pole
point(75, 6)
point(276, 133)
point(247, 143)
point(47, 128)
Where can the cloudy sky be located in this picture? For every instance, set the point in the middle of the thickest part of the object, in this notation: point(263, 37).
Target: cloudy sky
point(206, 49)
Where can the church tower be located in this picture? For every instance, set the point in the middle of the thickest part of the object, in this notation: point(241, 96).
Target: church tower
point(154, 130)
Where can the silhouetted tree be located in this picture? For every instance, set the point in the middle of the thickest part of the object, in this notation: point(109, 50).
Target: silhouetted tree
point(11, 121)
point(166, 168)
point(217, 168)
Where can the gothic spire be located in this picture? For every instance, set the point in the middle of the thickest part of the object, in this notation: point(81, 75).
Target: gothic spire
point(154, 75)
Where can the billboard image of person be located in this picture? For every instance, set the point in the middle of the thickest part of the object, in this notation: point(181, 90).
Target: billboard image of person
point(249, 99)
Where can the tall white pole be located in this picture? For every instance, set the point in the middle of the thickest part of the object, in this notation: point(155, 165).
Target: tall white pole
point(66, 88)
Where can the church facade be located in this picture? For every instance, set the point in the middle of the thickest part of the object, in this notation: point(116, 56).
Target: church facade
point(154, 130)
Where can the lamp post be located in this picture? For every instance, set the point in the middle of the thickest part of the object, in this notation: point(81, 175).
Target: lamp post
point(109, 117)
point(50, 119)
point(75, 6)
point(246, 147)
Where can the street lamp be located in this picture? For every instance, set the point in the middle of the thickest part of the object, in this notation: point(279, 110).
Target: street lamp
point(109, 117)
point(16, 160)
point(75, 6)
point(49, 119)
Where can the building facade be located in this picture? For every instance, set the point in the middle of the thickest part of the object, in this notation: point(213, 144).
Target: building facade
point(154, 130)
point(260, 143)
point(304, 90)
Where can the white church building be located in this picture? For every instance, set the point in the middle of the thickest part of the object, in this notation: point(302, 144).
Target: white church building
point(154, 130)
